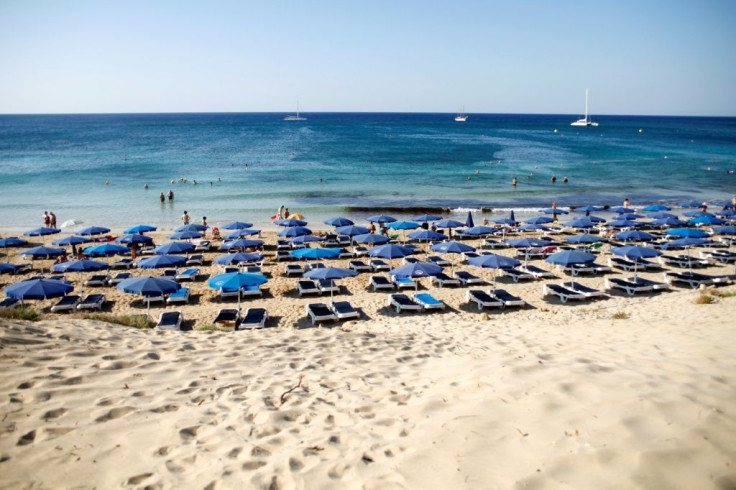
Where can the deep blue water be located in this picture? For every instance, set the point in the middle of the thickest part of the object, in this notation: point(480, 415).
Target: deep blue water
point(246, 165)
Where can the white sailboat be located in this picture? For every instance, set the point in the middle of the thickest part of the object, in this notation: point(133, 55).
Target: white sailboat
point(462, 117)
point(586, 120)
point(297, 117)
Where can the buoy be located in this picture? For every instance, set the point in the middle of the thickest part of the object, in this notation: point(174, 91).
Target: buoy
point(555, 130)
point(641, 130)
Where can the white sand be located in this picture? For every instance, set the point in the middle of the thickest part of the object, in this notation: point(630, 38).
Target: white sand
point(556, 396)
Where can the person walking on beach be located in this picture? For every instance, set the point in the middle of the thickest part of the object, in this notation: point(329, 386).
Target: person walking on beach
point(204, 221)
point(280, 213)
point(171, 195)
point(52, 219)
point(185, 218)
point(46, 219)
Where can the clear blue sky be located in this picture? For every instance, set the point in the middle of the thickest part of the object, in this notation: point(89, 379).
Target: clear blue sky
point(672, 57)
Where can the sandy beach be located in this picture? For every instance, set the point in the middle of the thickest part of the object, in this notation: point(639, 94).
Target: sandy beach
point(624, 392)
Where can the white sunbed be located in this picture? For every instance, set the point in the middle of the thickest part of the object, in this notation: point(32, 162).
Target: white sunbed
point(358, 265)
point(657, 286)
point(66, 303)
point(506, 298)
point(197, 259)
point(722, 256)
point(517, 275)
point(631, 288)
point(593, 268)
point(253, 318)
point(227, 317)
point(381, 282)
point(92, 302)
point(443, 280)
point(403, 302)
point(582, 289)
point(203, 246)
point(535, 271)
point(307, 286)
point(98, 280)
point(119, 277)
point(562, 292)
point(378, 265)
point(180, 296)
point(694, 279)
point(154, 298)
point(187, 275)
point(319, 312)
point(328, 285)
point(466, 278)
point(429, 302)
point(122, 264)
point(482, 299)
point(434, 259)
point(403, 282)
point(345, 254)
point(283, 255)
point(293, 270)
point(8, 303)
point(344, 310)
point(169, 320)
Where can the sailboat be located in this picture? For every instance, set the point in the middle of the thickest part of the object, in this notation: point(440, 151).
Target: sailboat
point(297, 117)
point(461, 117)
point(586, 120)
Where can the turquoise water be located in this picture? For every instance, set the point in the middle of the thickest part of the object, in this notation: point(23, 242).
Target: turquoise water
point(246, 165)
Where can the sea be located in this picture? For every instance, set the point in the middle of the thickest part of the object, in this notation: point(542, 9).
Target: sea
point(109, 169)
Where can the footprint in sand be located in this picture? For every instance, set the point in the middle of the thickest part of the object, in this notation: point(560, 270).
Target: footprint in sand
point(115, 413)
point(189, 433)
point(137, 479)
point(253, 465)
point(54, 414)
point(26, 385)
point(27, 438)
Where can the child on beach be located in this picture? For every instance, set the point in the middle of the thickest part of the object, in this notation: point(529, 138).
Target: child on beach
point(185, 218)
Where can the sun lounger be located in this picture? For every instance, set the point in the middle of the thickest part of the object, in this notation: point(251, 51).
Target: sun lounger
point(313, 265)
point(562, 292)
point(466, 278)
point(66, 303)
point(344, 310)
point(169, 273)
point(719, 255)
point(493, 244)
point(250, 291)
point(169, 320)
point(403, 282)
point(8, 303)
point(319, 312)
point(330, 240)
point(403, 302)
point(293, 270)
point(443, 280)
point(187, 275)
point(434, 259)
point(98, 280)
point(203, 246)
point(253, 318)
point(227, 317)
point(122, 264)
point(180, 296)
point(683, 261)
point(694, 279)
point(378, 265)
point(469, 255)
point(360, 251)
point(154, 298)
point(307, 286)
point(21, 268)
point(657, 286)
point(535, 271)
point(358, 265)
point(345, 254)
point(506, 298)
point(328, 285)
point(429, 302)
point(517, 275)
point(92, 302)
point(409, 260)
point(530, 253)
point(230, 269)
point(197, 259)
point(482, 299)
point(283, 255)
point(381, 282)
point(593, 268)
point(148, 250)
point(283, 245)
point(584, 290)
point(631, 288)
point(343, 240)
point(119, 277)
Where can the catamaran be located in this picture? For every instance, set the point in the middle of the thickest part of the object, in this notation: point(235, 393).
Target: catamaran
point(586, 120)
point(462, 117)
point(297, 117)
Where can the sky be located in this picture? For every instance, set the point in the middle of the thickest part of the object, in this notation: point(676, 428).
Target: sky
point(652, 57)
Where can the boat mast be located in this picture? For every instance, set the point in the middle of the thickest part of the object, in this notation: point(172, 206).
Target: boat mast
point(586, 106)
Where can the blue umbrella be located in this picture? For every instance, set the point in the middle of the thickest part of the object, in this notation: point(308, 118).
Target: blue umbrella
point(242, 233)
point(38, 289)
point(307, 239)
point(725, 230)
point(687, 233)
point(580, 239)
point(531, 227)
point(12, 241)
point(452, 247)
point(449, 223)
point(588, 209)
point(382, 218)
point(191, 227)
point(330, 273)
point(656, 207)
point(43, 252)
point(554, 211)
point(706, 220)
point(403, 225)
point(162, 261)
point(93, 230)
point(630, 216)
point(237, 258)
point(291, 222)
point(174, 248)
point(293, 231)
point(416, 270)
point(185, 235)
point(43, 231)
point(596, 219)
point(134, 238)
point(667, 222)
point(338, 222)
point(237, 225)
point(623, 223)
point(106, 249)
point(71, 240)
point(469, 220)
point(621, 209)
point(352, 230)
point(316, 253)
point(726, 213)
point(686, 242)
point(690, 204)
point(242, 244)
point(634, 236)
point(234, 281)
point(390, 251)
point(479, 230)
point(635, 253)
point(6, 268)
point(148, 286)
point(426, 217)
point(371, 238)
point(581, 222)
point(494, 261)
point(539, 220)
point(138, 229)
point(570, 257)
point(83, 265)
point(697, 214)
point(528, 242)
point(427, 235)
point(662, 215)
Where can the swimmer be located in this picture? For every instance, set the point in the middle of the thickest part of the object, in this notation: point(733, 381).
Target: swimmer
point(554, 179)
point(107, 182)
point(161, 197)
point(627, 203)
point(145, 186)
point(564, 180)
point(514, 182)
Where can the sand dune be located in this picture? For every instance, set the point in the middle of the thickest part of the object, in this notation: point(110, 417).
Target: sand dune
point(563, 398)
